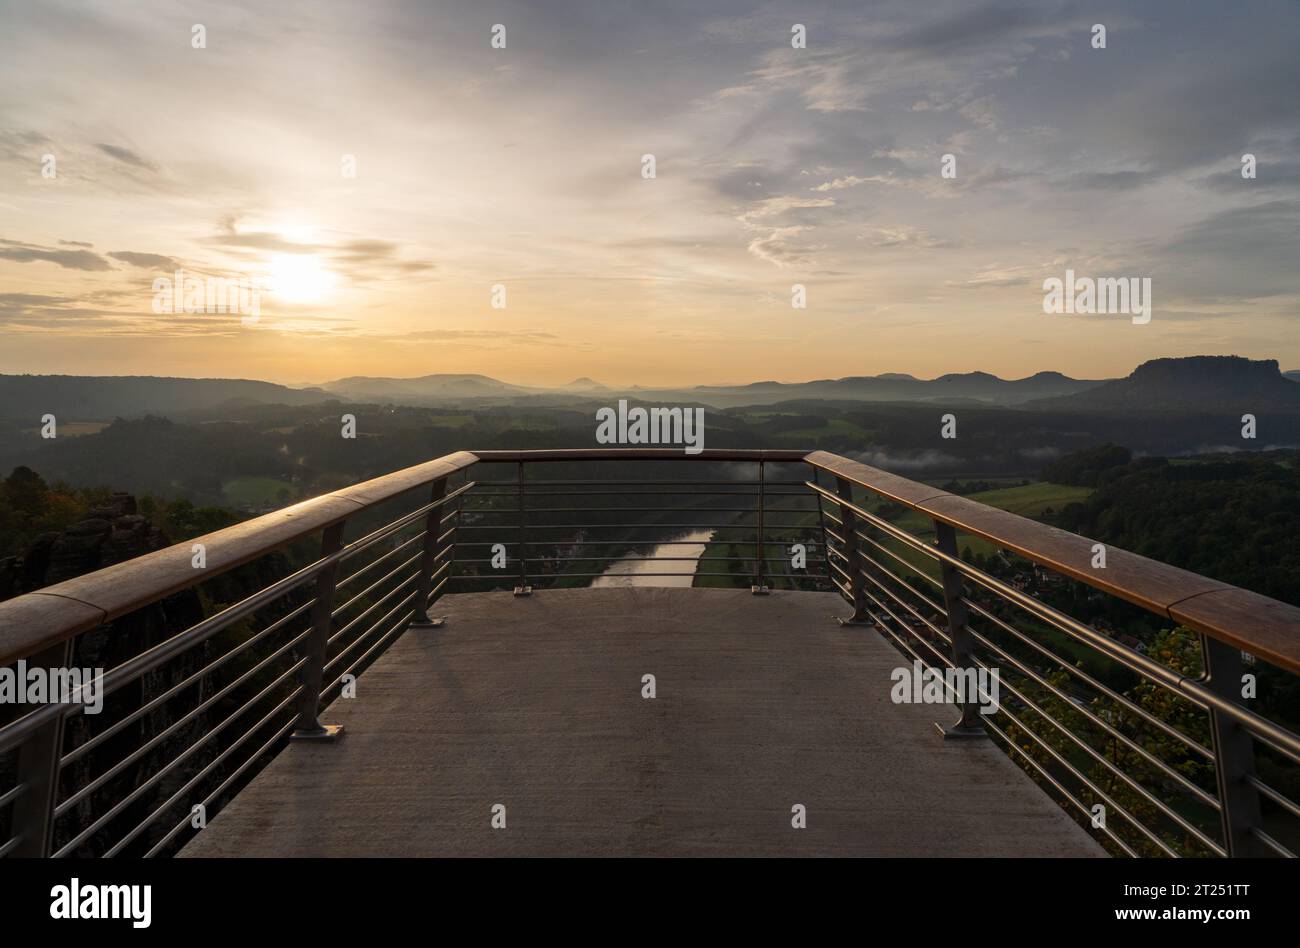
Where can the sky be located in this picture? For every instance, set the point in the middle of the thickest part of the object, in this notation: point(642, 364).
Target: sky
point(522, 167)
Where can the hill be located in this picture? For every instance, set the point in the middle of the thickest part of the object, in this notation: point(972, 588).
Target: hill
point(1197, 383)
point(102, 398)
point(893, 387)
point(438, 386)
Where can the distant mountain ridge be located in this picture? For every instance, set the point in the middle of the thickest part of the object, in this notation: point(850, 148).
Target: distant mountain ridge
point(441, 385)
point(1195, 383)
point(979, 386)
point(105, 397)
point(892, 387)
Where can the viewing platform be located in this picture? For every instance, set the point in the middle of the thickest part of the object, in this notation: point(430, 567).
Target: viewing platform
point(288, 686)
point(536, 703)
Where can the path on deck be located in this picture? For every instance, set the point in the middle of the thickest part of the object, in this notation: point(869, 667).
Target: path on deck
point(535, 703)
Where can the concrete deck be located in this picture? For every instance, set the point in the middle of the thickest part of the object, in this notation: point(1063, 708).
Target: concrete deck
point(535, 703)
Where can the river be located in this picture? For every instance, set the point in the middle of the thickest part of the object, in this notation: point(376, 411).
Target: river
point(633, 572)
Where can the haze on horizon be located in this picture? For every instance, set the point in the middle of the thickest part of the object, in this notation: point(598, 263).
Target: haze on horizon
point(522, 166)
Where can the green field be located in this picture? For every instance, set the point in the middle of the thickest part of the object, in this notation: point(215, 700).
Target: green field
point(1027, 501)
point(256, 491)
point(1032, 499)
point(458, 420)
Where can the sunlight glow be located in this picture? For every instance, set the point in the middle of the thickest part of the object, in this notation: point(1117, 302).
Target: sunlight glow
point(296, 278)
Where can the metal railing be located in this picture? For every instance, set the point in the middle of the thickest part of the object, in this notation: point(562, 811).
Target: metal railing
point(1179, 762)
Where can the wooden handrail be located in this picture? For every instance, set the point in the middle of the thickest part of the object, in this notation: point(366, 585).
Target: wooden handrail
point(1248, 621)
point(37, 620)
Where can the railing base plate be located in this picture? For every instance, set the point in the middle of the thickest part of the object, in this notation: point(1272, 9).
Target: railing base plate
point(327, 732)
point(759, 590)
point(849, 620)
point(432, 623)
point(956, 732)
point(523, 590)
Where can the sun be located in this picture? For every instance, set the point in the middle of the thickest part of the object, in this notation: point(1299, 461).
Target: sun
point(299, 278)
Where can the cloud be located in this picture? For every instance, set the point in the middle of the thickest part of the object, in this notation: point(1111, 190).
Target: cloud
point(126, 156)
point(989, 25)
point(365, 258)
point(359, 258)
point(147, 261)
point(839, 183)
point(982, 112)
point(68, 259)
point(771, 207)
point(903, 236)
point(776, 247)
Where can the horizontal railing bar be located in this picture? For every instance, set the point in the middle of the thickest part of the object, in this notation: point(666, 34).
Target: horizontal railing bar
point(1097, 790)
point(943, 635)
point(103, 779)
point(1194, 689)
point(370, 539)
point(1098, 721)
point(224, 785)
point(383, 559)
point(396, 629)
point(362, 636)
point(39, 619)
point(902, 581)
point(905, 646)
point(405, 564)
point(1060, 788)
point(1284, 802)
point(1271, 843)
point(193, 781)
point(1127, 704)
point(1277, 748)
point(1037, 738)
point(12, 794)
point(165, 651)
point(86, 746)
point(898, 559)
point(1252, 623)
point(1168, 812)
point(369, 610)
point(149, 783)
point(1156, 762)
point(839, 569)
